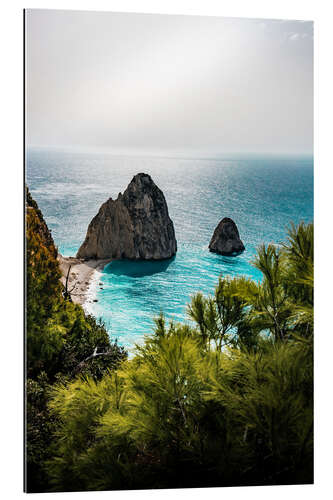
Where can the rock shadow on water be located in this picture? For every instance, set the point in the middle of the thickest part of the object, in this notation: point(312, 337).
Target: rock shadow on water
point(234, 265)
point(231, 261)
point(137, 268)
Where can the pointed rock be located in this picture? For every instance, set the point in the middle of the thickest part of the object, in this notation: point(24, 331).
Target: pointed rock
point(134, 226)
point(225, 240)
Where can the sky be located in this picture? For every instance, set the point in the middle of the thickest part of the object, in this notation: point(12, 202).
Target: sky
point(170, 85)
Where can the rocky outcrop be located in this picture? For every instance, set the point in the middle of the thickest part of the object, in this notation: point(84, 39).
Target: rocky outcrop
point(134, 226)
point(37, 224)
point(225, 240)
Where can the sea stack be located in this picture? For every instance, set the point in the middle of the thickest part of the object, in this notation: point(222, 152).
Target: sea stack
point(225, 240)
point(135, 226)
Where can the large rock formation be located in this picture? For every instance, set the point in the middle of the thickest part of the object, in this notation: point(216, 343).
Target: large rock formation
point(134, 226)
point(225, 239)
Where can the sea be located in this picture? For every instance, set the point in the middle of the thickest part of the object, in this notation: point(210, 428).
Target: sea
point(262, 194)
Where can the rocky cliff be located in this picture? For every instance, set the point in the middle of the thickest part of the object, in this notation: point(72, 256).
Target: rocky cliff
point(37, 225)
point(225, 240)
point(134, 226)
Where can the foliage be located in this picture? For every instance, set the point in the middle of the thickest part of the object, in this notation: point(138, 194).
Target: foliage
point(223, 319)
point(227, 400)
point(60, 340)
point(299, 277)
point(43, 287)
point(59, 335)
point(280, 305)
point(234, 417)
point(39, 428)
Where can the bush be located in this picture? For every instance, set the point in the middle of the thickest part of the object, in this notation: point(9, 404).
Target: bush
point(227, 401)
point(60, 343)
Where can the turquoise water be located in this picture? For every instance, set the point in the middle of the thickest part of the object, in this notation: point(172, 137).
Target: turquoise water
point(261, 194)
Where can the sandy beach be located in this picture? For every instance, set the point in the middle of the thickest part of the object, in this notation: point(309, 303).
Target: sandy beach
point(80, 275)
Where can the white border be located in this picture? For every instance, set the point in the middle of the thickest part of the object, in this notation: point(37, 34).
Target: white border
point(12, 230)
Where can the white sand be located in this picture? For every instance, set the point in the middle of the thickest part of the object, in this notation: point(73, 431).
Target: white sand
point(80, 275)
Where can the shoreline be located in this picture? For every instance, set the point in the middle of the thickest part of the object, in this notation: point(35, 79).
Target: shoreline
point(81, 275)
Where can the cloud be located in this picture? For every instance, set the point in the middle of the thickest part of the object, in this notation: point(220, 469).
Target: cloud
point(176, 83)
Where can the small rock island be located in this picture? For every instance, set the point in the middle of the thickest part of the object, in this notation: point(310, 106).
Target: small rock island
point(135, 226)
point(226, 240)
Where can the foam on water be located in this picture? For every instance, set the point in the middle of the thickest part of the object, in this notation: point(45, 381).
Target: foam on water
point(91, 292)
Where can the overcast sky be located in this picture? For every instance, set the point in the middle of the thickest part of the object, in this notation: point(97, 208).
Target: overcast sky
point(168, 84)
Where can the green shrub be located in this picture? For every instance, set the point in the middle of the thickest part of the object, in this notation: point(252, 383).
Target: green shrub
point(60, 341)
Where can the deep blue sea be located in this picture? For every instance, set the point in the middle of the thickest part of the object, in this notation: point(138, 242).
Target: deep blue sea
point(261, 194)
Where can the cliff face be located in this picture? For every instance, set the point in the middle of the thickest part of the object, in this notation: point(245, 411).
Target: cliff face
point(226, 240)
point(43, 290)
point(37, 225)
point(134, 226)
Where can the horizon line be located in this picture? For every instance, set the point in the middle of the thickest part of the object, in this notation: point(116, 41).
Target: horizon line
point(202, 155)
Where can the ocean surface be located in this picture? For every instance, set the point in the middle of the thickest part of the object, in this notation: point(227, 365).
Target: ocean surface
point(261, 194)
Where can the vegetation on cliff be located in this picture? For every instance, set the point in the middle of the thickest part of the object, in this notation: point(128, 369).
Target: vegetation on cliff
point(226, 401)
point(59, 338)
